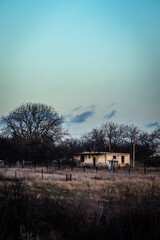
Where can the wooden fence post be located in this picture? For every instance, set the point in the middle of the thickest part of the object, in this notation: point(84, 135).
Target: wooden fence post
point(68, 177)
point(42, 173)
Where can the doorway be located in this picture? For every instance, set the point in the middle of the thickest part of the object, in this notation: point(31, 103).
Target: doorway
point(94, 161)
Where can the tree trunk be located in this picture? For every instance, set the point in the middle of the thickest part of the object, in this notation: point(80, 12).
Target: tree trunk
point(110, 144)
point(133, 161)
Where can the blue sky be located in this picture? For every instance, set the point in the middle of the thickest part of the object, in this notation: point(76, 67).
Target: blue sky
point(94, 61)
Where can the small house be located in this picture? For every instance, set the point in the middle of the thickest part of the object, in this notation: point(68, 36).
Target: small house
point(103, 159)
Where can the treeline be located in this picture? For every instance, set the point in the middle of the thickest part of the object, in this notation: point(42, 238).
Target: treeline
point(114, 137)
point(34, 132)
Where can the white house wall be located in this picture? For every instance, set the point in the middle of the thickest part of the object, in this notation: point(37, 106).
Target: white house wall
point(103, 158)
point(87, 160)
point(118, 157)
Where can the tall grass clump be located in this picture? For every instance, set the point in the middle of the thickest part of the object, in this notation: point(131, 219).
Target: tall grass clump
point(120, 214)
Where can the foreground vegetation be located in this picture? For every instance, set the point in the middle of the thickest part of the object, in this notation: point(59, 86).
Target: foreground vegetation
point(125, 207)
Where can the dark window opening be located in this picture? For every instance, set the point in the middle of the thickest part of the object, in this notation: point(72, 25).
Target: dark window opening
point(122, 159)
point(89, 156)
point(94, 161)
point(114, 157)
point(82, 158)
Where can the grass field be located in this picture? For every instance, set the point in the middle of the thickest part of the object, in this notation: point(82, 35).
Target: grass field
point(94, 205)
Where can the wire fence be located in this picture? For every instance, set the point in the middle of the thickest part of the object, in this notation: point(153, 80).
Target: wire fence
point(69, 173)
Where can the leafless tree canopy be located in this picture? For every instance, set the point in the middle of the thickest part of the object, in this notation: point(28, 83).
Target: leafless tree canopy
point(115, 137)
point(156, 133)
point(33, 121)
point(94, 140)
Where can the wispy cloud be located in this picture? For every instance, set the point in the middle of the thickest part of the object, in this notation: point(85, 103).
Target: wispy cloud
point(79, 114)
point(110, 115)
point(77, 108)
point(150, 125)
point(111, 105)
point(80, 118)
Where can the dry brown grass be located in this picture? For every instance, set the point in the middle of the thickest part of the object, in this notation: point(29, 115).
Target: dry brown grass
point(103, 185)
point(105, 202)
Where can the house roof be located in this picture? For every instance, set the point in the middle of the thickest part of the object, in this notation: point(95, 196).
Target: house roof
point(98, 153)
point(90, 153)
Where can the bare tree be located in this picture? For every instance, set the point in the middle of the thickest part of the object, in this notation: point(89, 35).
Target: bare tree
point(156, 133)
point(155, 138)
point(146, 144)
point(94, 140)
point(111, 131)
point(68, 148)
point(132, 132)
point(33, 122)
point(120, 135)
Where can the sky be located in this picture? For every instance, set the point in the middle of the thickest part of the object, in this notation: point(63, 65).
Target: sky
point(92, 60)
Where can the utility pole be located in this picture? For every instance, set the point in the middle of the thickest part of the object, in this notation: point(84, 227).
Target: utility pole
point(133, 160)
point(109, 144)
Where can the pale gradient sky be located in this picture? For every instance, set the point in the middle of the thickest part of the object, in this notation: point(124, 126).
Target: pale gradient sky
point(94, 61)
